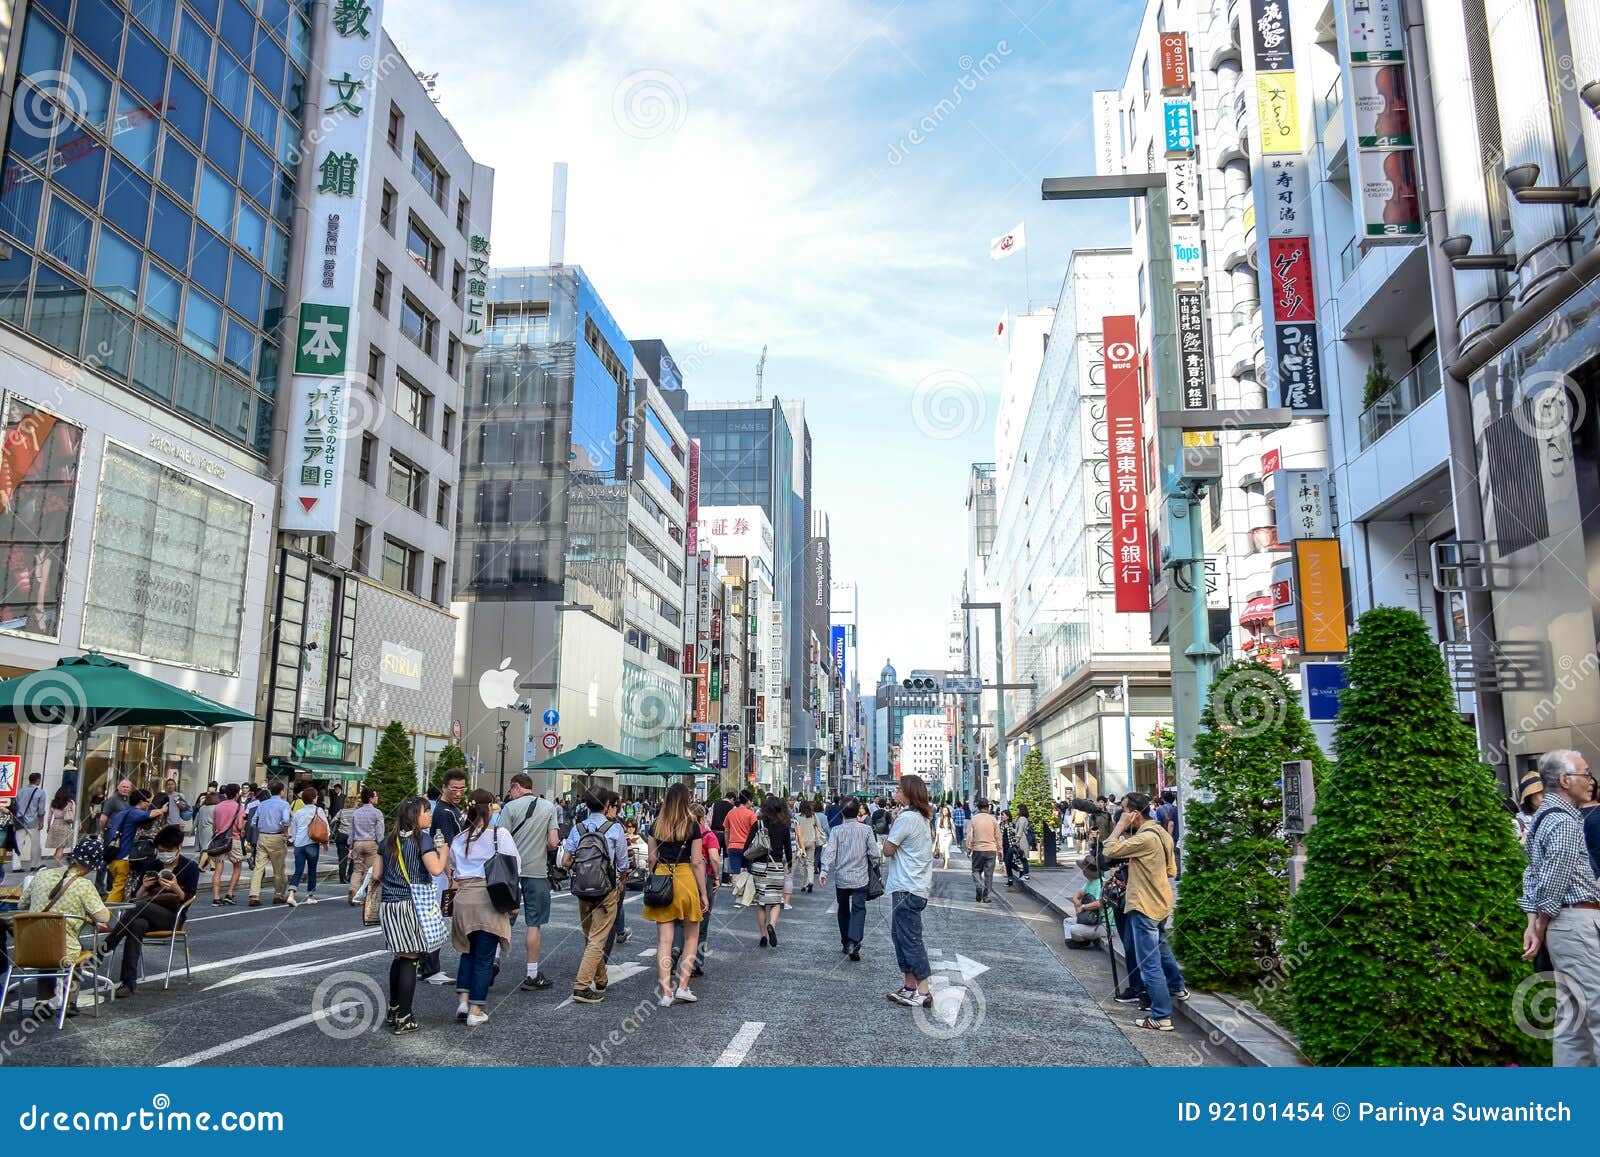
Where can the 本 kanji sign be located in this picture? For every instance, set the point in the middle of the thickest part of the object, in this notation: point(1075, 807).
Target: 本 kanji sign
point(326, 329)
point(1192, 349)
point(1130, 543)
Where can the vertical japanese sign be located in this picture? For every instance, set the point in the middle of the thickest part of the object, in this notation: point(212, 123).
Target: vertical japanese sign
point(1178, 124)
point(1174, 62)
point(1287, 192)
point(474, 314)
point(1183, 189)
point(1129, 540)
point(1380, 103)
point(693, 498)
point(1319, 589)
point(341, 141)
point(1290, 260)
point(1187, 267)
point(716, 654)
point(1192, 349)
point(1107, 133)
point(1302, 506)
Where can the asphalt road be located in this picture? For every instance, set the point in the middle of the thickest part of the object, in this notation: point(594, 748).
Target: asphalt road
point(308, 986)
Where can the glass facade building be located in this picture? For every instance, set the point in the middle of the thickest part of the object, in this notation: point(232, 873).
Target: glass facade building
point(147, 191)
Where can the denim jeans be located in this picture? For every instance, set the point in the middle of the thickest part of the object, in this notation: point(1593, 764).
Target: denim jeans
point(475, 972)
point(735, 862)
point(305, 860)
point(1156, 964)
point(905, 928)
point(983, 872)
point(1129, 956)
point(852, 914)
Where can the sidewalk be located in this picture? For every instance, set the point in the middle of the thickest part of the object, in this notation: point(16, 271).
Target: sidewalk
point(1245, 1032)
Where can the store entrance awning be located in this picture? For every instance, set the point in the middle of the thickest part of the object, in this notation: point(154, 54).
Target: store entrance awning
point(1257, 610)
point(317, 768)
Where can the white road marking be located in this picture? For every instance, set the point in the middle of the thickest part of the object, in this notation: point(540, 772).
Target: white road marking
point(614, 973)
point(256, 1038)
point(271, 952)
point(293, 969)
point(239, 911)
point(739, 1047)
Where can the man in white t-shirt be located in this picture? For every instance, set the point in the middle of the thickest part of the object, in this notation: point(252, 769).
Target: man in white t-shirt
point(533, 822)
point(909, 846)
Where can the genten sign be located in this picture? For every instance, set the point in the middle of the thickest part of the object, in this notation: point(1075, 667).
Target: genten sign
point(340, 134)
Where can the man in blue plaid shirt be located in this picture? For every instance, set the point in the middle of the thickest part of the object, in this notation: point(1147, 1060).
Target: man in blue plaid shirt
point(1563, 905)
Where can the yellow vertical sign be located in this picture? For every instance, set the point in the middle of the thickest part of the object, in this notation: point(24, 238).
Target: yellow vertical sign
point(1278, 111)
point(1319, 590)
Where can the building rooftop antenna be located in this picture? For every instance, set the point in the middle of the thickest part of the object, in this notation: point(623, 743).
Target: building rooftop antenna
point(761, 369)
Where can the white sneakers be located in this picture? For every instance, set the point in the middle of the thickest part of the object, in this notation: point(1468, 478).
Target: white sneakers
point(686, 996)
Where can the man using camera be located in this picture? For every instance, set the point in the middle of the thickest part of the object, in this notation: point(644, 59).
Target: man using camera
point(1152, 866)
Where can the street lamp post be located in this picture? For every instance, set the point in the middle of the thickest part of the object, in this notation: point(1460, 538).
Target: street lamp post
point(505, 725)
point(999, 695)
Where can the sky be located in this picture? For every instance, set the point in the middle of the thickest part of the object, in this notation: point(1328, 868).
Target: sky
point(822, 179)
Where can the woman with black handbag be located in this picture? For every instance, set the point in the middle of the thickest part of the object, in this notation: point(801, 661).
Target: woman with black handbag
point(479, 926)
point(675, 891)
point(769, 856)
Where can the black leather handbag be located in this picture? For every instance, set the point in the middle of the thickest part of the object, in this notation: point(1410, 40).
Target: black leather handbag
point(659, 889)
point(500, 877)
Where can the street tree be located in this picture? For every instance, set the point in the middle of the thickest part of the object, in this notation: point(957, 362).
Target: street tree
point(451, 757)
point(1234, 900)
point(394, 769)
point(1033, 789)
point(1405, 938)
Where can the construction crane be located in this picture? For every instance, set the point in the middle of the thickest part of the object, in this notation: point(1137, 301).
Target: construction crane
point(761, 369)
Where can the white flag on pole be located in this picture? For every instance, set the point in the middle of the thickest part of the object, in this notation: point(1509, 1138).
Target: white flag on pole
point(1005, 324)
point(1007, 244)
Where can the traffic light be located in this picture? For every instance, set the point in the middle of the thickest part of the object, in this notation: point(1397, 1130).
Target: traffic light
point(921, 683)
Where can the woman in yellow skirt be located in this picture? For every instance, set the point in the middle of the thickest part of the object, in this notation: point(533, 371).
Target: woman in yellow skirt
point(675, 851)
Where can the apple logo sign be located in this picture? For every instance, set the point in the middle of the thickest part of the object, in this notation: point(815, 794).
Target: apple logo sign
point(498, 688)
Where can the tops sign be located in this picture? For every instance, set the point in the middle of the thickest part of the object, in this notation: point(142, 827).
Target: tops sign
point(314, 454)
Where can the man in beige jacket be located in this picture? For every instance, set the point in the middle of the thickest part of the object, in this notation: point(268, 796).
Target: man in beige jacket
point(1152, 866)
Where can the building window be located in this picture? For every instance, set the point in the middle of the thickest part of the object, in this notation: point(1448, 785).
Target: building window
point(1144, 77)
point(428, 173)
point(411, 401)
point(406, 482)
point(386, 209)
point(452, 357)
point(397, 128)
point(375, 367)
point(423, 248)
point(463, 211)
point(399, 565)
point(602, 349)
point(419, 325)
point(441, 510)
point(380, 290)
point(369, 454)
point(447, 430)
point(358, 555)
point(458, 280)
point(441, 596)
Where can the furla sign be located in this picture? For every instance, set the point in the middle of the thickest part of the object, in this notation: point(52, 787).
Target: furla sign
point(400, 667)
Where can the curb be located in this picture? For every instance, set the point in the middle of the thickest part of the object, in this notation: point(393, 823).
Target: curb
point(1244, 1032)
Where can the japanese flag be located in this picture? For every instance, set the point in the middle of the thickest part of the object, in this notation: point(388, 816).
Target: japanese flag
point(1005, 324)
point(1009, 243)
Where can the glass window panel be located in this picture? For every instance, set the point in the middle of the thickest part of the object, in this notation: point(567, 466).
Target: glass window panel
point(216, 201)
point(244, 287)
point(14, 273)
point(240, 351)
point(178, 167)
point(277, 253)
point(156, 15)
point(257, 173)
point(99, 27)
point(207, 10)
point(80, 163)
point(197, 382)
point(60, 9)
point(288, 141)
point(272, 307)
point(209, 267)
point(92, 91)
point(163, 296)
point(31, 119)
point(250, 232)
point(135, 135)
point(275, 14)
point(144, 65)
point(169, 232)
point(56, 315)
point(41, 46)
point(127, 199)
point(294, 91)
point(67, 234)
point(116, 268)
point(194, 45)
point(263, 116)
point(269, 62)
point(20, 193)
point(202, 325)
point(238, 27)
point(283, 199)
point(155, 365)
point(110, 339)
point(233, 408)
point(231, 84)
point(267, 368)
point(261, 440)
point(223, 138)
point(186, 106)
point(299, 39)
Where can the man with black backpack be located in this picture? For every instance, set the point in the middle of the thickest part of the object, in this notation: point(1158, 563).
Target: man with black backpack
point(595, 855)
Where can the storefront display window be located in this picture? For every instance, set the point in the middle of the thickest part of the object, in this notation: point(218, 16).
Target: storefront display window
point(38, 479)
point(168, 566)
point(148, 757)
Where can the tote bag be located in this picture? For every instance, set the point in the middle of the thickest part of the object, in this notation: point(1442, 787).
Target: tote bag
point(425, 899)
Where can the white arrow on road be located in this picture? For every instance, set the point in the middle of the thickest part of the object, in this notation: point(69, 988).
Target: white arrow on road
point(970, 969)
point(615, 973)
point(293, 969)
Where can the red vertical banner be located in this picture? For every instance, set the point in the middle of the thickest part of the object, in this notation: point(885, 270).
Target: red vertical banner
point(1293, 297)
point(1130, 543)
point(693, 498)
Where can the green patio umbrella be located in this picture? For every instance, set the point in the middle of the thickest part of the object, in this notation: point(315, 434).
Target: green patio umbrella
point(667, 763)
point(589, 756)
point(87, 692)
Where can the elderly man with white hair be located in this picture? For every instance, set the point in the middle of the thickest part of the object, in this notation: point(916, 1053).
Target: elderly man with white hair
point(1563, 905)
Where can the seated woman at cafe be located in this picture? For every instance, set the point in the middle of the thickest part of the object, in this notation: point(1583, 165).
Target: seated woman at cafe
point(171, 880)
point(70, 891)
